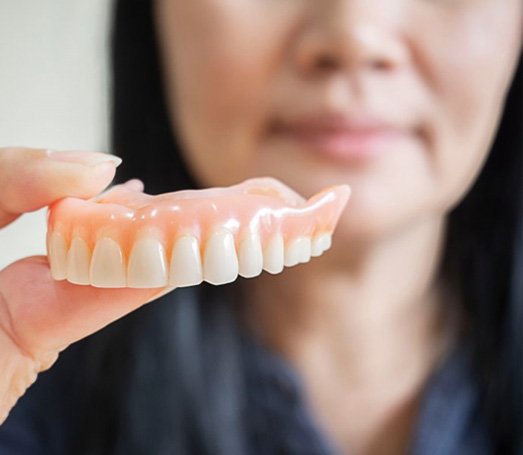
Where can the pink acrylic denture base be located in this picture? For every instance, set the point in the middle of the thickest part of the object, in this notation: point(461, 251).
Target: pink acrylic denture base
point(261, 205)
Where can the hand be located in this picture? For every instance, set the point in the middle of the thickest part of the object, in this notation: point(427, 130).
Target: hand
point(39, 317)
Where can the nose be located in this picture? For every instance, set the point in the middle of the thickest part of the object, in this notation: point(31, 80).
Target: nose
point(355, 35)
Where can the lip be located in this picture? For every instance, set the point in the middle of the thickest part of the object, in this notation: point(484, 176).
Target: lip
point(345, 138)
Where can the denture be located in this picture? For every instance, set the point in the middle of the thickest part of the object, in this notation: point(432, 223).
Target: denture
point(126, 238)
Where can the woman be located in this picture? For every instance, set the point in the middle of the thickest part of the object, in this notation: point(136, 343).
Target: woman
point(405, 337)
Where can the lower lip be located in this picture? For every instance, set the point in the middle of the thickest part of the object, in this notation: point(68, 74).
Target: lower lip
point(350, 145)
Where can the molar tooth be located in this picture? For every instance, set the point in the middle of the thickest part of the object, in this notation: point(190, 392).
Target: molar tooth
point(186, 263)
point(273, 254)
point(58, 256)
point(78, 259)
point(107, 265)
point(316, 249)
point(250, 256)
point(220, 263)
point(147, 268)
point(297, 251)
point(320, 244)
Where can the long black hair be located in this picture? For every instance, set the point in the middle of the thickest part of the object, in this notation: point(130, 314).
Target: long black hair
point(167, 379)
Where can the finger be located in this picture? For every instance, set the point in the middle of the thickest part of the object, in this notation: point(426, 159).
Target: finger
point(32, 178)
point(134, 184)
point(44, 315)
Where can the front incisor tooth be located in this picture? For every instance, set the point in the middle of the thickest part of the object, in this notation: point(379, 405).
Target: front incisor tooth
point(273, 254)
point(58, 256)
point(250, 256)
point(298, 250)
point(147, 267)
point(320, 244)
point(220, 263)
point(78, 259)
point(107, 268)
point(186, 263)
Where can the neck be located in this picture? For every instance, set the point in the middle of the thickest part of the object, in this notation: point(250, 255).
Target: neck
point(358, 318)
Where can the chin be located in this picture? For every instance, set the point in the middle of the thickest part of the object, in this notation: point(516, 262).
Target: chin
point(358, 229)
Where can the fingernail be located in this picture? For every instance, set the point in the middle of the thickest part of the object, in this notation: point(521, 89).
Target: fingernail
point(85, 158)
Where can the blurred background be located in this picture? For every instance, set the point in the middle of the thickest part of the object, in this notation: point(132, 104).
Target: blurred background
point(53, 90)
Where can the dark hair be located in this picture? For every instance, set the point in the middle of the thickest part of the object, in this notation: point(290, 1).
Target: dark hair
point(484, 262)
point(168, 378)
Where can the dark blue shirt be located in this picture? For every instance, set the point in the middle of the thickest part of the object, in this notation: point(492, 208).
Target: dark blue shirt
point(449, 421)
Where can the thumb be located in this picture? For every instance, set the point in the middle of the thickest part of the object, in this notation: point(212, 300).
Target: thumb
point(41, 314)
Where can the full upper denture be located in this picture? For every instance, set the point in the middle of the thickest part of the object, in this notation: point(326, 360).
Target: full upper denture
point(126, 238)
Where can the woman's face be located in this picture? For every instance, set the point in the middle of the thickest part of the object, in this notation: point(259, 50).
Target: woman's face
point(399, 98)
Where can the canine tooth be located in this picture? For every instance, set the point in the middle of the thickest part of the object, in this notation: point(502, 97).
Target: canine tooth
point(299, 250)
point(220, 263)
point(107, 265)
point(147, 268)
point(250, 256)
point(186, 263)
point(58, 256)
point(273, 255)
point(78, 259)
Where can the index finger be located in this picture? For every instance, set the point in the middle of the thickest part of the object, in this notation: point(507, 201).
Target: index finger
point(33, 178)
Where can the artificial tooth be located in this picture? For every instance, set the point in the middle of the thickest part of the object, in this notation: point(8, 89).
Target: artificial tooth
point(316, 249)
point(147, 268)
point(186, 264)
point(273, 255)
point(220, 263)
point(78, 259)
point(305, 249)
point(58, 256)
point(107, 265)
point(299, 250)
point(250, 256)
point(320, 244)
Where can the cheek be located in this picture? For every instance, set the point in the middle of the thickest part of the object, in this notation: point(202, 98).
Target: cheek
point(469, 68)
point(220, 61)
point(213, 119)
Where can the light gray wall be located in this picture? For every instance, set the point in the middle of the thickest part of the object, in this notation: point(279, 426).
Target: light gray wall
point(53, 90)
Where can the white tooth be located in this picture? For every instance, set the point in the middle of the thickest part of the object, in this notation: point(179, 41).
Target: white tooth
point(220, 263)
point(107, 265)
point(147, 268)
point(320, 244)
point(273, 254)
point(305, 249)
point(326, 241)
point(316, 249)
point(58, 256)
point(78, 259)
point(250, 256)
point(186, 263)
point(298, 250)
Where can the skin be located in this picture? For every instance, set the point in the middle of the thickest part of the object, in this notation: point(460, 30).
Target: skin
point(367, 323)
point(33, 330)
